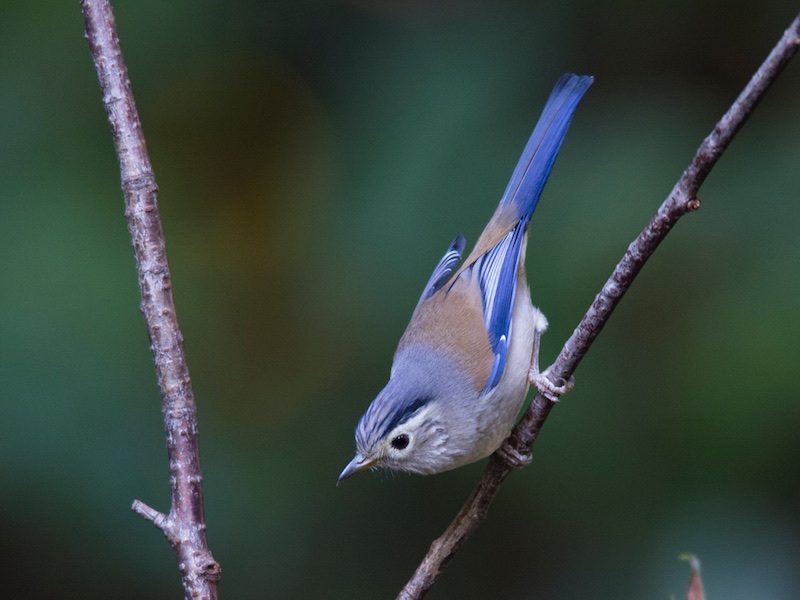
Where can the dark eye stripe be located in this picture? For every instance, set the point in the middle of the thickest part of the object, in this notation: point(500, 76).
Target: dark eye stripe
point(402, 414)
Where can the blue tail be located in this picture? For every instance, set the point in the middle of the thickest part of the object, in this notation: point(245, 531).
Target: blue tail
point(537, 160)
point(498, 267)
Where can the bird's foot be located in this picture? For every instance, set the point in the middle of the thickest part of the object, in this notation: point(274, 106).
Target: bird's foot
point(542, 381)
point(512, 457)
point(548, 389)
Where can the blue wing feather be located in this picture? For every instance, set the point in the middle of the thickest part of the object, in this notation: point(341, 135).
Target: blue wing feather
point(497, 275)
point(442, 270)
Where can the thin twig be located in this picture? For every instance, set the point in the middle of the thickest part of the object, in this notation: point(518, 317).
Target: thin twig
point(184, 526)
point(681, 200)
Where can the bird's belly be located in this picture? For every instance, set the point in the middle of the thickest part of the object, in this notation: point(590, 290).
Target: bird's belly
point(500, 407)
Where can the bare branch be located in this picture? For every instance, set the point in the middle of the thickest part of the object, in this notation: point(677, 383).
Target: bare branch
point(184, 526)
point(681, 200)
point(158, 519)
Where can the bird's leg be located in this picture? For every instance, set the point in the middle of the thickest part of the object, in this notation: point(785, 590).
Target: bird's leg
point(540, 380)
point(546, 387)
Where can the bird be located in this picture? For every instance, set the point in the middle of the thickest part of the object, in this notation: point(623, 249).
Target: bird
point(463, 366)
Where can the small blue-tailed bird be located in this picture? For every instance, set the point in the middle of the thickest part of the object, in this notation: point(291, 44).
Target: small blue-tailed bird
point(461, 371)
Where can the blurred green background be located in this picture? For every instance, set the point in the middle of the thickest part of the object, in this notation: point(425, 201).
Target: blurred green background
point(315, 158)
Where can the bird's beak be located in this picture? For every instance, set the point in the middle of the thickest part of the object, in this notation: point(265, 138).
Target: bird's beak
point(359, 463)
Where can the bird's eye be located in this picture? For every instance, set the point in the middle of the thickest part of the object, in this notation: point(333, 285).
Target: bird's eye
point(400, 442)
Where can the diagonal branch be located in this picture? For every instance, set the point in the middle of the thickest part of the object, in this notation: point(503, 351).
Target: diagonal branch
point(681, 200)
point(184, 526)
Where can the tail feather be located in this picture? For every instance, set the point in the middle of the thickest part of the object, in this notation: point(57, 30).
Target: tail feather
point(537, 159)
point(499, 249)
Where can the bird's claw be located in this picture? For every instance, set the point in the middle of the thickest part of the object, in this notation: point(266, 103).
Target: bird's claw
point(540, 380)
point(548, 389)
point(512, 457)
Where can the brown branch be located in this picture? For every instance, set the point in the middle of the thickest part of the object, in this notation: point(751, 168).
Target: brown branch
point(184, 526)
point(681, 200)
